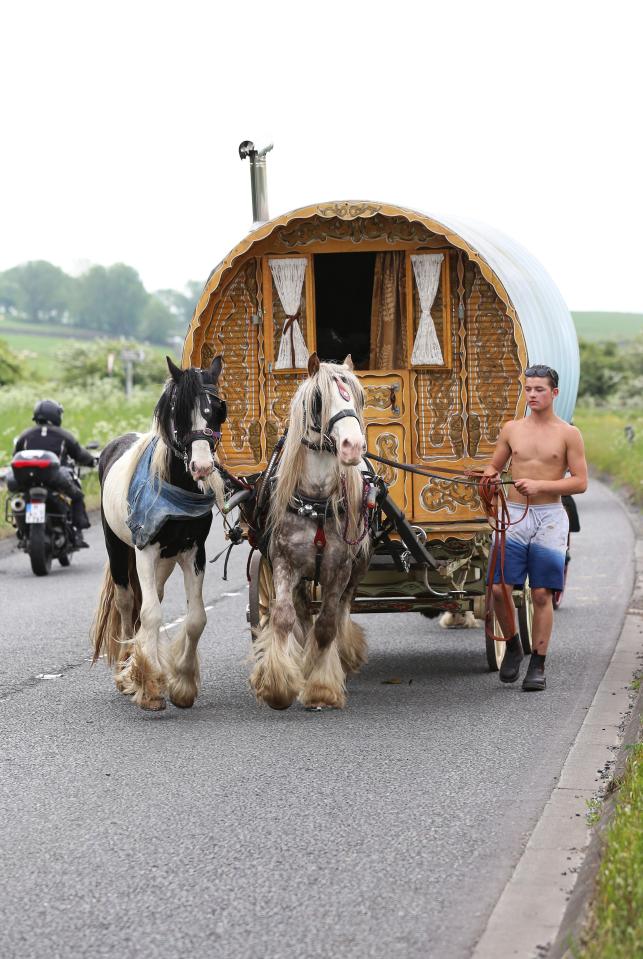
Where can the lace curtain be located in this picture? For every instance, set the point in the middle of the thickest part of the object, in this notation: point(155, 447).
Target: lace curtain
point(427, 268)
point(289, 275)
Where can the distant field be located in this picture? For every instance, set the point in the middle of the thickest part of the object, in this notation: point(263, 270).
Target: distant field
point(608, 326)
point(38, 345)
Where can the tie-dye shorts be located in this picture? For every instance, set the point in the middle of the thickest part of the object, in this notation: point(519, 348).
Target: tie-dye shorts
point(535, 546)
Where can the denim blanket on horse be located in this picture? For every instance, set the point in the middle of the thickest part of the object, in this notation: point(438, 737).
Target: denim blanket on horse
point(152, 501)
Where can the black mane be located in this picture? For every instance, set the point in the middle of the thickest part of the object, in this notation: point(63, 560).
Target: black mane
point(176, 404)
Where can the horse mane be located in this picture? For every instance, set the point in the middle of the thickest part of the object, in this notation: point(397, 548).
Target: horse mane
point(175, 405)
point(291, 464)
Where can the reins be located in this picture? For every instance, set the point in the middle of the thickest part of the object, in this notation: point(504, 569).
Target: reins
point(494, 502)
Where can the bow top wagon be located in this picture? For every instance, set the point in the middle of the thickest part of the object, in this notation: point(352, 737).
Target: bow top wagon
point(441, 317)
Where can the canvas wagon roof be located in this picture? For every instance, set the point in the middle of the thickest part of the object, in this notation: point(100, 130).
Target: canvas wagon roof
point(519, 279)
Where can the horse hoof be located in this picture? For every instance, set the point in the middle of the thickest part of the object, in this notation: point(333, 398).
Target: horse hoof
point(184, 704)
point(279, 704)
point(153, 705)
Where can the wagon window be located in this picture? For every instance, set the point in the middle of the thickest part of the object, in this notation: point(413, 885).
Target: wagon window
point(288, 309)
point(434, 291)
point(343, 299)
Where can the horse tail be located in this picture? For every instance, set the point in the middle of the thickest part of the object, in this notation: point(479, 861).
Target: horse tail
point(107, 626)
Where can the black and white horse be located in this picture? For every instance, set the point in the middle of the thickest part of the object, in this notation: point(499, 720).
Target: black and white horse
point(157, 494)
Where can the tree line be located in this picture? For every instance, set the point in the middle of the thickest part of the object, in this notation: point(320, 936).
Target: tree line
point(110, 300)
point(611, 373)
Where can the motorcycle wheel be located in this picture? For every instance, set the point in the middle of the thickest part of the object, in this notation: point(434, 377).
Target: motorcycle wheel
point(39, 550)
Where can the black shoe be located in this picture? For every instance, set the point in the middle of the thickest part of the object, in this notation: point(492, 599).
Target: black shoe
point(534, 681)
point(510, 665)
point(79, 542)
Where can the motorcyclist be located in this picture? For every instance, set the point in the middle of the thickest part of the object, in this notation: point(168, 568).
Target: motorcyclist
point(48, 434)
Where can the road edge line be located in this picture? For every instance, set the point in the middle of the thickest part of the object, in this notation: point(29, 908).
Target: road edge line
point(534, 911)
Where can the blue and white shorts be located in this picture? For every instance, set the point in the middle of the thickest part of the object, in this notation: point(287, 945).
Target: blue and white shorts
point(535, 546)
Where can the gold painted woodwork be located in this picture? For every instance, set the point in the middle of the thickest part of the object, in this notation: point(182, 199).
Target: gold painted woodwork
point(387, 431)
point(448, 414)
point(444, 499)
point(259, 241)
point(232, 333)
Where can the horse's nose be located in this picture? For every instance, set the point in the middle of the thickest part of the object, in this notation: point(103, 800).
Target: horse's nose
point(351, 451)
point(198, 472)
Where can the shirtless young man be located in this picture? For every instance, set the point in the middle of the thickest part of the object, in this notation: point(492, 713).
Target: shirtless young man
point(542, 449)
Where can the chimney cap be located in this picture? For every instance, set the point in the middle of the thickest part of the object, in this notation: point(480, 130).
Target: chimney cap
point(248, 149)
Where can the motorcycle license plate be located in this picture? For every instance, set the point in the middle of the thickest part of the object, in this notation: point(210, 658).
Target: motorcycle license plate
point(35, 513)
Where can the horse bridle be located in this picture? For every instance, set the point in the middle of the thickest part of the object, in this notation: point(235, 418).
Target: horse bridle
point(208, 399)
point(328, 444)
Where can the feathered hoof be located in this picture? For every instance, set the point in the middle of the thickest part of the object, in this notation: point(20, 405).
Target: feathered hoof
point(140, 680)
point(352, 648)
point(153, 705)
point(180, 696)
point(276, 678)
point(317, 696)
point(275, 698)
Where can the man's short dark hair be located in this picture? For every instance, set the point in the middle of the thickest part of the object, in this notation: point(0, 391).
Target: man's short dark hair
point(543, 371)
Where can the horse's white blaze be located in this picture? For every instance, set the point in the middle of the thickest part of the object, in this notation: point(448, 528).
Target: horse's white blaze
point(349, 440)
point(201, 457)
point(346, 432)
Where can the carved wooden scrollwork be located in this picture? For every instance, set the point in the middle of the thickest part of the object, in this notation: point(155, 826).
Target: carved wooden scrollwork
point(373, 226)
point(444, 495)
point(348, 211)
point(387, 445)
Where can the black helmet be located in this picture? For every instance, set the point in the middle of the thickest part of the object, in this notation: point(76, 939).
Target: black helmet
point(48, 411)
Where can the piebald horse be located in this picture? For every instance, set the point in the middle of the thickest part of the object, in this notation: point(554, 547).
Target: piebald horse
point(157, 494)
point(318, 530)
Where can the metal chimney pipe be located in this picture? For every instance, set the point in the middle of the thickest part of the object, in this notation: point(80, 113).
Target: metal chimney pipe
point(258, 181)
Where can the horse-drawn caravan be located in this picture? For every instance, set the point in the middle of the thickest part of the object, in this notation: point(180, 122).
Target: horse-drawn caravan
point(347, 370)
point(441, 318)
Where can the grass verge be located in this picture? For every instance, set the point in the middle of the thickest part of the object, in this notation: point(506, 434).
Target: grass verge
point(615, 930)
point(608, 449)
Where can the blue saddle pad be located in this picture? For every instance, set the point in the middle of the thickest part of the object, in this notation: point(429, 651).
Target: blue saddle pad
point(152, 502)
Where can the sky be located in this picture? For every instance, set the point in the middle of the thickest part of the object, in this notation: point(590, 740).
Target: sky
point(122, 122)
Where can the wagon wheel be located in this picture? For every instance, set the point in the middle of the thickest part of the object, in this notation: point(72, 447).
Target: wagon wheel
point(558, 594)
point(526, 618)
point(494, 650)
point(261, 591)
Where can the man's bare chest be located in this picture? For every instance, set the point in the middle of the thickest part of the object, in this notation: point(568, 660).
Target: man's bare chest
point(550, 450)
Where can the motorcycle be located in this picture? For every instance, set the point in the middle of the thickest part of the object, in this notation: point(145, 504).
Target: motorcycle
point(40, 515)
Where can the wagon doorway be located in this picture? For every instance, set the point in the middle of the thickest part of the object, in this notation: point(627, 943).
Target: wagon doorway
point(343, 302)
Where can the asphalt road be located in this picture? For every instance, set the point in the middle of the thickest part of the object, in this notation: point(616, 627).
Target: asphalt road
point(386, 830)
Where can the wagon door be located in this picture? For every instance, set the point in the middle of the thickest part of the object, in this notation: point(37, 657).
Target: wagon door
point(388, 428)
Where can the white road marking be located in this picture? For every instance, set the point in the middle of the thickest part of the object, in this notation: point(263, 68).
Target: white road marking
point(48, 675)
point(177, 622)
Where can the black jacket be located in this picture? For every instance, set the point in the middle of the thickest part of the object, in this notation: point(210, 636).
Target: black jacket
point(56, 440)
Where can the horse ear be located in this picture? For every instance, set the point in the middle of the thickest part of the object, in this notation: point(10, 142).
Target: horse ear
point(215, 367)
point(313, 364)
point(348, 363)
point(175, 372)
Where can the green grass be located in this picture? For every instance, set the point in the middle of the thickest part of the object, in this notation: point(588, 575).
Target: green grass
point(99, 413)
point(40, 346)
point(608, 450)
point(38, 353)
point(608, 326)
point(615, 930)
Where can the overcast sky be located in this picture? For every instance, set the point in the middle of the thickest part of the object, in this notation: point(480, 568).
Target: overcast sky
point(122, 120)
